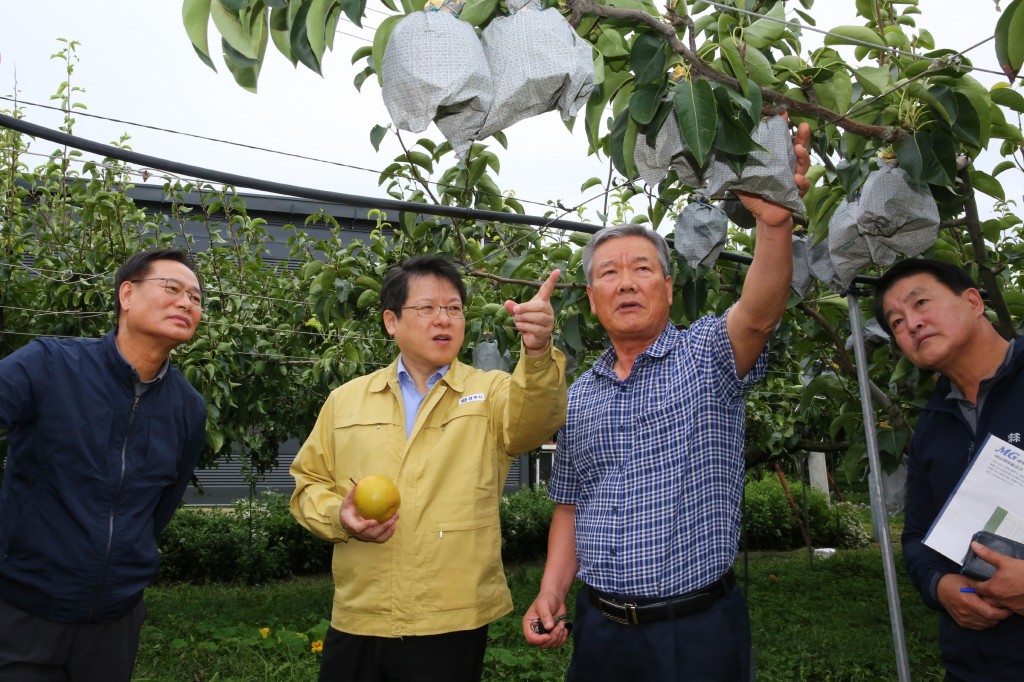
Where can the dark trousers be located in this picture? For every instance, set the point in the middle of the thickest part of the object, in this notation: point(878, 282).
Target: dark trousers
point(448, 657)
point(34, 649)
point(713, 645)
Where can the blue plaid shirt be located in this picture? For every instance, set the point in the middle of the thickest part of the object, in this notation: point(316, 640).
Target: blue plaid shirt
point(654, 464)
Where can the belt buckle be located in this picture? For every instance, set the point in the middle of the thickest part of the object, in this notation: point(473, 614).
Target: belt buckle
point(611, 610)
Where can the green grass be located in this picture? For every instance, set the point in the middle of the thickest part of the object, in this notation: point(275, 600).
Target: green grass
point(821, 620)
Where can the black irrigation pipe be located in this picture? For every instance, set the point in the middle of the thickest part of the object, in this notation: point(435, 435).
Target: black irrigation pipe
point(220, 177)
point(232, 179)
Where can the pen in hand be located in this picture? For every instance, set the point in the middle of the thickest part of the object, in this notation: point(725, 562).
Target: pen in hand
point(967, 589)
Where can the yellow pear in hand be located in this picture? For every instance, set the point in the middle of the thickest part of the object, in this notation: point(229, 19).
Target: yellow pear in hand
point(377, 498)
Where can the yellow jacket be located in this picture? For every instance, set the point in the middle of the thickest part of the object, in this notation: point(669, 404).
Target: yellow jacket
point(441, 571)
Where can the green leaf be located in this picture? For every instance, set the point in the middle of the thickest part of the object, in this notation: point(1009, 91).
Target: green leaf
point(939, 98)
point(195, 15)
point(872, 79)
point(1003, 166)
point(1011, 99)
point(478, 12)
point(380, 42)
point(852, 175)
point(331, 26)
point(280, 33)
point(665, 109)
point(232, 31)
point(1010, 40)
point(648, 58)
point(984, 182)
point(645, 101)
point(917, 156)
point(763, 33)
point(734, 126)
point(622, 144)
point(300, 39)
point(642, 5)
point(610, 42)
point(967, 125)
point(571, 332)
point(697, 111)
point(361, 77)
point(364, 52)
point(354, 10)
point(835, 92)
point(854, 35)
point(731, 54)
point(895, 37)
point(316, 26)
point(976, 96)
point(759, 68)
point(245, 71)
point(377, 135)
point(420, 159)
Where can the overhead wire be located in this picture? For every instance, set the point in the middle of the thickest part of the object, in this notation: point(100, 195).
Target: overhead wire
point(565, 211)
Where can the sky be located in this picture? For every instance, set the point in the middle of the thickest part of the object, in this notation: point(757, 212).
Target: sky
point(136, 65)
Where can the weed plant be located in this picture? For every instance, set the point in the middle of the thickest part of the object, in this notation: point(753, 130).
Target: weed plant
point(812, 619)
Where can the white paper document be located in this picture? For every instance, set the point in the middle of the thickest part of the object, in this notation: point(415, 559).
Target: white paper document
point(990, 496)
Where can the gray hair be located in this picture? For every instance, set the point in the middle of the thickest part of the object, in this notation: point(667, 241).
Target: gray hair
point(625, 230)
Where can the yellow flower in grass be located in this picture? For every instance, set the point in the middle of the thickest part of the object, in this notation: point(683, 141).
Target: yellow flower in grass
point(264, 632)
point(318, 647)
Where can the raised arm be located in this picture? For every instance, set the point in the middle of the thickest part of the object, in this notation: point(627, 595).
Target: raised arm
point(752, 319)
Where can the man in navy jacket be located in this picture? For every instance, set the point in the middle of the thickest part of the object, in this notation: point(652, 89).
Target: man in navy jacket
point(936, 315)
point(103, 435)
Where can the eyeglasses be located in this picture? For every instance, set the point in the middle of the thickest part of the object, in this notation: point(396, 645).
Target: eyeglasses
point(455, 312)
point(175, 289)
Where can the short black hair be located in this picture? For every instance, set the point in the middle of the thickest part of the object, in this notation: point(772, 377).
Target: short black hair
point(139, 265)
point(395, 289)
point(952, 276)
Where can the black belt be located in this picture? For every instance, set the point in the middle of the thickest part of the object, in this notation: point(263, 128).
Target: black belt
point(637, 614)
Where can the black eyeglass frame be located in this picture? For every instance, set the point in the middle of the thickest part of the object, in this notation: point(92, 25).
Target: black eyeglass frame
point(461, 310)
point(170, 284)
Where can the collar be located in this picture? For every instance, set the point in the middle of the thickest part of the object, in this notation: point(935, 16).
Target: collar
point(454, 375)
point(404, 376)
point(661, 346)
point(943, 399)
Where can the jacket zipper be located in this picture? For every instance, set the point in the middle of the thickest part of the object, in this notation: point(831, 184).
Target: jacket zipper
point(113, 506)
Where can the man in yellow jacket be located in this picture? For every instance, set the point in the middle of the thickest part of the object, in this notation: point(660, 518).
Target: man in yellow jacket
point(414, 595)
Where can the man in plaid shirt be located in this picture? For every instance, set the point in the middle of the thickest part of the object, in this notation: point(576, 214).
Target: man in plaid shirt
point(648, 474)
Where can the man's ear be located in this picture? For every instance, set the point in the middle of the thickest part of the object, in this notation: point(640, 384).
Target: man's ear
point(390, 322)
point(976, 301)
point(124, 295)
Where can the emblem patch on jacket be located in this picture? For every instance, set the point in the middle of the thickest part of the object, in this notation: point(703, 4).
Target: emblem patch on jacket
point(471, 398)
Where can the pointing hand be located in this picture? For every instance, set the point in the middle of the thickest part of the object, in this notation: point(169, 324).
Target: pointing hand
point(535, 319)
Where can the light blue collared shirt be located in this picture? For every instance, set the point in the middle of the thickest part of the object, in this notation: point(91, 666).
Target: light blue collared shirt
point(411, 398)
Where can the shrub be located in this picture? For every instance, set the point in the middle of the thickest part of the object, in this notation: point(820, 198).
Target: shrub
point(769, 523)
point(259, 540)
point(253, 541)
point(525, 518)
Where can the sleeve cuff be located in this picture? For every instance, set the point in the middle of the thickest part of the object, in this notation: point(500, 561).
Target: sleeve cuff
point(338, 531)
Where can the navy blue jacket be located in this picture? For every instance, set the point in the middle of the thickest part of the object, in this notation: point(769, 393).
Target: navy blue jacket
point(93, 474)
point(940, 451)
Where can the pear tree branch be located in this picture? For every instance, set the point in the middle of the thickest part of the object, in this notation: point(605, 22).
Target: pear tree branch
point(886, 134)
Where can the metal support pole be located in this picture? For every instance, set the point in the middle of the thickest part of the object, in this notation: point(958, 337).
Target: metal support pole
point(878, 512)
